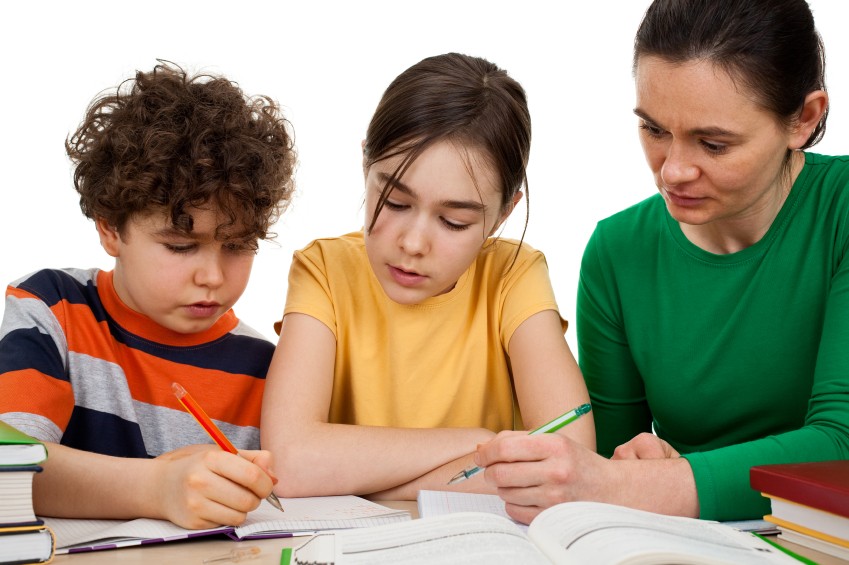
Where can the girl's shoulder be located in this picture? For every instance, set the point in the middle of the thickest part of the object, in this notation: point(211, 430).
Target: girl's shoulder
point(350, 246)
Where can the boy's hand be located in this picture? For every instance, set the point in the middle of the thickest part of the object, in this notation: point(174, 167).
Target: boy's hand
point(202, 486)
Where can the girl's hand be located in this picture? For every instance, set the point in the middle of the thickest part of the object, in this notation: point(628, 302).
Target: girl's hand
point(202, 486)
point(645, 446)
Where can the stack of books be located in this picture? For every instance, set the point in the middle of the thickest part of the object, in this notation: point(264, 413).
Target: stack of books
point(23, 537)
point(810, 503)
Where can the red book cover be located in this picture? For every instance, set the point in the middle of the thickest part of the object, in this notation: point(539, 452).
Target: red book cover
point(822, 484)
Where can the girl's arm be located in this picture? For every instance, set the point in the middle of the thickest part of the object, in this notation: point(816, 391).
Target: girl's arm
point(547, 379)
point(548, 383)
point(315, 458)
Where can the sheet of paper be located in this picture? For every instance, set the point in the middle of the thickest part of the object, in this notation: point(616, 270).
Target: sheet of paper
point(439, 502)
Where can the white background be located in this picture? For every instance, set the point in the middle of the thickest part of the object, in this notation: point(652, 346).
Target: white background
point(327, 63)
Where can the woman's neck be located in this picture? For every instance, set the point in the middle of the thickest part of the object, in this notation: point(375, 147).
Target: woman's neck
point(726, 236)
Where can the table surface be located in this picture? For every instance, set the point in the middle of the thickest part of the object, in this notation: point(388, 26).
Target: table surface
point(189, 552)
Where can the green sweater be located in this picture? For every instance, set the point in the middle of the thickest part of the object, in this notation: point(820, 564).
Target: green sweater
point(736, 360)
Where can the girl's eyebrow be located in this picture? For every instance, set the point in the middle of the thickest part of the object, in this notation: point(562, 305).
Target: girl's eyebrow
point(709, 131)
point(473, 205)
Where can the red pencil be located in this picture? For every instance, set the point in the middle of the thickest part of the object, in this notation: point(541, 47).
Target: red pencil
point(193, 408)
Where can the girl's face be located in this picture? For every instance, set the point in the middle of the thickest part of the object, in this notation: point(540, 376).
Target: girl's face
point(437, 217)
point(717, 156)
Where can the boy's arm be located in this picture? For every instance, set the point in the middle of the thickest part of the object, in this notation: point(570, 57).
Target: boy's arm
point(313, 457)
point(198, 486)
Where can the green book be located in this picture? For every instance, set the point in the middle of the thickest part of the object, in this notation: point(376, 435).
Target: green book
point(19, 449)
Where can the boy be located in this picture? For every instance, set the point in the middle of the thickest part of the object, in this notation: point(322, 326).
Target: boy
point(182, 176)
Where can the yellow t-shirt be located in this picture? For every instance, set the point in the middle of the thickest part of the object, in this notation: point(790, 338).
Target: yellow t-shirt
point(439, 363)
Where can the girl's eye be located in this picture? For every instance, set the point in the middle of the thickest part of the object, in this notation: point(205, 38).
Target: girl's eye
point(453, 226)
point(651, 130)
point(714, 148)
point(395, 205)
point(179, 248)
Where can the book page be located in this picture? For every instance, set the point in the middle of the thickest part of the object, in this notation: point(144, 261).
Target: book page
point(440, 502)
point(602, 534)
point(302, 514)
point(71, 532)
point(318, 513)
point(451, 539)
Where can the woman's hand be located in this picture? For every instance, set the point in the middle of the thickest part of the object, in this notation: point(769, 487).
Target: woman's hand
point(645, 446)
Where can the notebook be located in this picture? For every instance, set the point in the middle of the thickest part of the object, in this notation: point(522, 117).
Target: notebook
point(303, 516)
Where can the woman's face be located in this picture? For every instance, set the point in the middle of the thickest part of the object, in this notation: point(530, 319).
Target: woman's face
point(717, 156)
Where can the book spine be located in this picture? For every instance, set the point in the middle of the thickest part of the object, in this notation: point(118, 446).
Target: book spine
point(807, 493)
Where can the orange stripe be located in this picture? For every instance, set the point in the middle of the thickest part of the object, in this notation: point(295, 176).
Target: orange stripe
point(225, 397)
point(29, 390)
point(17, 292)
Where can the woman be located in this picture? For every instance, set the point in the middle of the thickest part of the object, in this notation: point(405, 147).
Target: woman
point(713, 313)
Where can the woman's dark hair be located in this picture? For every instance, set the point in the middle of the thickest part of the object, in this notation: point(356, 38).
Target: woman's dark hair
point(168, 141)
point(770, 46)
point(458, 98)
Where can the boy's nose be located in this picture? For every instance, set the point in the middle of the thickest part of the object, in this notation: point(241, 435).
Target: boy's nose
point(209, 272)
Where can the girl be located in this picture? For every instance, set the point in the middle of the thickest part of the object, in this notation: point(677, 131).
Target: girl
point(405, 345)
point(713, 312)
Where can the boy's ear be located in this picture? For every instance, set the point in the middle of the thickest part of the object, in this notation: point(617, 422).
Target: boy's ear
point(110, 239)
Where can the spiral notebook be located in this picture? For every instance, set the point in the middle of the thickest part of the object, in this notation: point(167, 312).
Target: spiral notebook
point(303, 516)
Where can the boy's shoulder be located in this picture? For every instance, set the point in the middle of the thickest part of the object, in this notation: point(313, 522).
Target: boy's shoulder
point(54, 285)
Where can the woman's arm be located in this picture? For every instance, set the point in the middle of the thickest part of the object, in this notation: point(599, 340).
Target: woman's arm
point(313, 457)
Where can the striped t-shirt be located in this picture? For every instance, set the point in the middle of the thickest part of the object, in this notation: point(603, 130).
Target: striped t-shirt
point(80, 368)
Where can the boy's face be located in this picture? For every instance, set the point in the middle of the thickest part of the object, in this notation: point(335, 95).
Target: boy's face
point(182, 282)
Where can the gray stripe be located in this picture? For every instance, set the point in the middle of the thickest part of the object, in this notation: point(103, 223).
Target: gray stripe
point(165, 429)
point(39, 427)
point(27, 313)
point(246, 330)
point(100, 385)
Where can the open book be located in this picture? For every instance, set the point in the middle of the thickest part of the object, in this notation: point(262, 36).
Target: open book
point(303, 516)
point(572, 532)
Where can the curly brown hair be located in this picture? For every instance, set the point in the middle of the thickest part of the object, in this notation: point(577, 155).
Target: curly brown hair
point(168, 141)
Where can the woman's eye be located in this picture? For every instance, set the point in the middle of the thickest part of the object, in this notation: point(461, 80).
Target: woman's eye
point(651, 130)
point(715, 148)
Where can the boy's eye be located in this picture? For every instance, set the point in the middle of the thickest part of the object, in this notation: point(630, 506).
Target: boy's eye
point(179, 247)
point(241, 246)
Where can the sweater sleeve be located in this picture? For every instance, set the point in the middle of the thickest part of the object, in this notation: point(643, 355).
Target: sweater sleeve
point(35, 392)
point(722, 474)
point(618, 396)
